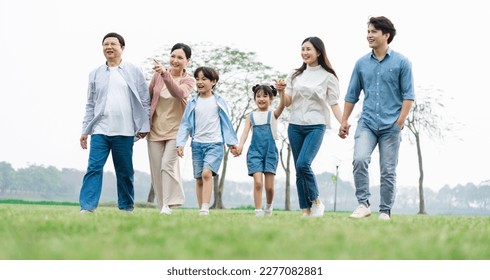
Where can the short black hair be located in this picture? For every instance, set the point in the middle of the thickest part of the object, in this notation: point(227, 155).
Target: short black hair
point(385, 25)
point(208, 72)
point(115, 35)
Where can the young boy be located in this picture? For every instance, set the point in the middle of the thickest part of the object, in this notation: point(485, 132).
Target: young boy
point(207, 121)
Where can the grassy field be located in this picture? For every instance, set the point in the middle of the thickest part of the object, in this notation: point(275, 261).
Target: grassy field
point(60, 232)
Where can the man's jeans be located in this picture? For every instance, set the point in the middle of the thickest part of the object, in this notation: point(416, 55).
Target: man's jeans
point(122, 156)
point(388, 141)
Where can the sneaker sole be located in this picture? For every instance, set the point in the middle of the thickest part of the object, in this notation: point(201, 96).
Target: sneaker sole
point(353, 217)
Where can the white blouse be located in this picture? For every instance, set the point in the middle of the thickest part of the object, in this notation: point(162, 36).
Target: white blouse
point(312, 92)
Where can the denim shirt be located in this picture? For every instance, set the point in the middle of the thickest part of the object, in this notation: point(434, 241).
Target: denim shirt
point(97, 97)
point(385, 83)
point(188, 123)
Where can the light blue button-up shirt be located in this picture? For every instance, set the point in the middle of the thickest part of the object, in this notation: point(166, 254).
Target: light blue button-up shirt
point(385, 84)
point(188, 124)
point(97, 97)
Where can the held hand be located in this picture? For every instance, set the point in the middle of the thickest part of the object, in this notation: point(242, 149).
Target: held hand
point(280, 85)
point(236, 150)
point(180, 151)
point(141, 135)
point(83, 141)
point(344, 130)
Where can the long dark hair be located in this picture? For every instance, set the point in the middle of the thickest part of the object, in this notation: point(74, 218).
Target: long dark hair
point(322, 59)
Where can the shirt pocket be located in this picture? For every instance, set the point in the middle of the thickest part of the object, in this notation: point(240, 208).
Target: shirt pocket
point(392, 75)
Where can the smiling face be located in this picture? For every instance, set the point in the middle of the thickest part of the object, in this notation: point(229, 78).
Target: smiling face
point(376, 39)
point(178, 60)
point(309, 54)
point(263, 100)
point(112, 49)
point(204, 85)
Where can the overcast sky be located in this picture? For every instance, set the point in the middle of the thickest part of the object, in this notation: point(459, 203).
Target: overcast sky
point(47, 49)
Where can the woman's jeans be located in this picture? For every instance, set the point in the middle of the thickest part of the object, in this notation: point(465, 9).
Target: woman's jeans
point(388, 142)
point(305, 143)
point(122, 156)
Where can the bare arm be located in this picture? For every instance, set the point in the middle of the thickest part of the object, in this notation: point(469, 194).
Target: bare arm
point(344, 124)
point(243, 139)
point(337, 112)
point(285, 99)
point(406, 106)
point(280, 107)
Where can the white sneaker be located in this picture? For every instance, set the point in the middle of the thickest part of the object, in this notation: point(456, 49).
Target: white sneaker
point(361, 211)
point(84, 211)
point(317, 210)
point(203, 212)
point(259, 213)
point(384, 217)
point(166, 210)
point(268, 212)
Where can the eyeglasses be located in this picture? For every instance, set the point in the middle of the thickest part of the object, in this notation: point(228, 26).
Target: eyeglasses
point(110, 44)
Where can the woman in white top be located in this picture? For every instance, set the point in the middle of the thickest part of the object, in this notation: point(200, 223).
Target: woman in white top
point(310, 91)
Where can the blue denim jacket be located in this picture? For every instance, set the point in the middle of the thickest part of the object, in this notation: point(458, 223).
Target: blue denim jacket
point(97, 97)
point(385, 83)
point(188, 125)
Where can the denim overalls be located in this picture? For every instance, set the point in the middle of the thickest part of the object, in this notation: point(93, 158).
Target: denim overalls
point(262, 155)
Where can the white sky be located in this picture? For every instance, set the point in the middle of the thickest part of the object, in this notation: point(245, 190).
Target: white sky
point(47, 49)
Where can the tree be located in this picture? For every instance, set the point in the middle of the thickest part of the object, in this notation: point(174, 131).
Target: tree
point(39, 180)
point(7, 177)
point(239, 71)
point(285, 155)
point(425, 118)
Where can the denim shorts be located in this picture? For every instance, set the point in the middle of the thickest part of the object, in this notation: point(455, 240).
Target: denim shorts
point(206, 155)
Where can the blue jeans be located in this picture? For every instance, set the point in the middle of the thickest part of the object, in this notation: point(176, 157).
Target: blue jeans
point(305, 143)
point(122, 156)
point(388, 142)
point(206, 155)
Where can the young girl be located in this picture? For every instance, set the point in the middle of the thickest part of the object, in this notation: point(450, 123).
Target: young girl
point(262, 156)
point(207, 121)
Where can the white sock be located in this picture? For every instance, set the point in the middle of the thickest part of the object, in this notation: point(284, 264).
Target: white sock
point(205, 206)
point(268, 206)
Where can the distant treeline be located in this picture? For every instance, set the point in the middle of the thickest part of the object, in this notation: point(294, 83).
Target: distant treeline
point(40, 183)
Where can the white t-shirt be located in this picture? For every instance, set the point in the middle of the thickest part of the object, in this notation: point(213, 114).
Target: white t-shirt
point(260, 117)
point(118, 114)
point(312, 92)
point(208, 126)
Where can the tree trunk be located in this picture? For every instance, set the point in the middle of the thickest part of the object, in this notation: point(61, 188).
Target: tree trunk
point(217, 198)
point(287, 203)
point(421, 177)
point(218, 188)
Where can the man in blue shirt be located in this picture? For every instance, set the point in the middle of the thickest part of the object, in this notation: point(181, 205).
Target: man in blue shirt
point(385, 77)
point(116, 114)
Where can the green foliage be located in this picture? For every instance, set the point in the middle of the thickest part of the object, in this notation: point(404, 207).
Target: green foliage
point(20, 201)
point(39, 232)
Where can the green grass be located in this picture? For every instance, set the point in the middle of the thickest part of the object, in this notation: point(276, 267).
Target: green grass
point(60, 232)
